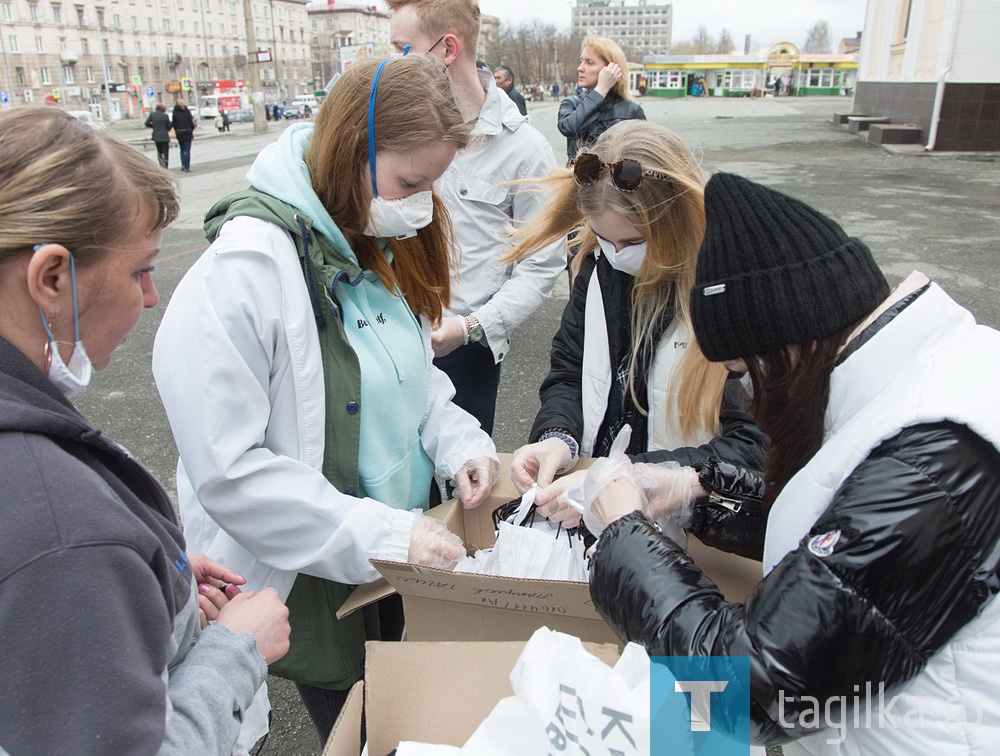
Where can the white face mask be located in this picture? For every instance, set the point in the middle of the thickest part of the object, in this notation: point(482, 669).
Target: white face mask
point(72, 378)
point(628, 259)
point(747, 383)
point(399, 217)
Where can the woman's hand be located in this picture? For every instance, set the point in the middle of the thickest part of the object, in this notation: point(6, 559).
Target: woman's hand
point(433, 545)
point(539, 462)
point(607, 78)
point(554, 505)
point(475, 481)
point(264, 616)
point(217, 584)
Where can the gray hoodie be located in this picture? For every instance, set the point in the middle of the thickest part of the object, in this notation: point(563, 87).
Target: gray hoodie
point(98, 615)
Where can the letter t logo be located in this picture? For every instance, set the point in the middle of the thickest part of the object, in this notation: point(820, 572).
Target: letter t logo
point(701, 700)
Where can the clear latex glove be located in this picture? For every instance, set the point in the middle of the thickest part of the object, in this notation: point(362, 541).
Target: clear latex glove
point(562, 500)
point(433, 545)
point(616, 474)
point(475, 481)
point(670, 491)
point(539, 463)
point(449, 335)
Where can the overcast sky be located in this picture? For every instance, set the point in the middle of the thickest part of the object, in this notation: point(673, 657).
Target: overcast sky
point(766, 22)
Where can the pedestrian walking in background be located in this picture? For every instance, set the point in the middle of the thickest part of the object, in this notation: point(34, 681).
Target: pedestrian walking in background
point(184, 123)
point(504, 77)
point(159, 122)
point(225, 120)
point(605, 101)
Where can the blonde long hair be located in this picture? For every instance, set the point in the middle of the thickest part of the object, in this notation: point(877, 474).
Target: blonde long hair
point(414, 107)
point(62, 182)
point(610, 52)
point(671, 217)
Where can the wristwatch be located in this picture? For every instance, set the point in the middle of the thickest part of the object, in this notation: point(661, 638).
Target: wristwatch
point(475, 329)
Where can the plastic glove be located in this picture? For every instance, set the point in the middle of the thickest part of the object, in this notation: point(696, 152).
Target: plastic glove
point(562, 500)
point(539, 463)
point(433, 545)
point(616, 474)
point(475, 481)
point(670, 491)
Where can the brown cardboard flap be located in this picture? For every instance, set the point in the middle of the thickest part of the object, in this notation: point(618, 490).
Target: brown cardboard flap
point(364, 595)
point(539, 597)
point(345, 738)
point(438, 692)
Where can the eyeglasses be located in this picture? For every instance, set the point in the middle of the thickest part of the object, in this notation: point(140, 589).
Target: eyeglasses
point(626, 174)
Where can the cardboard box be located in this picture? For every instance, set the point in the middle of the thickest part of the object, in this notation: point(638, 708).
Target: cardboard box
point(428, 692)
point(446, 606)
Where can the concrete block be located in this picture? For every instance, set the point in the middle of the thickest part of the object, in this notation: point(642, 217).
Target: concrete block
point(861, 123)
point(840, 119)
point(894, 133)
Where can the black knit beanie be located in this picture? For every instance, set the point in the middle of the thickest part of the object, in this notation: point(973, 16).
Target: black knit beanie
point(773, 271)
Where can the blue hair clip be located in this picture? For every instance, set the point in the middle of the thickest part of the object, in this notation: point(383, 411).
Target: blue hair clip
point(371, 119)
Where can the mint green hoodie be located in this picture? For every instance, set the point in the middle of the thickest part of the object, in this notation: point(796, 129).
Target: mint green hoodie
point(382, 331)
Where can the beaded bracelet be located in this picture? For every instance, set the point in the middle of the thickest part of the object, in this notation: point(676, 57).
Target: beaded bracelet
point(574, 448)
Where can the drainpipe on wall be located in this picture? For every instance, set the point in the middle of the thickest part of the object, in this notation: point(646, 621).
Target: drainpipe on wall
point(936, 114)
point(939, 92)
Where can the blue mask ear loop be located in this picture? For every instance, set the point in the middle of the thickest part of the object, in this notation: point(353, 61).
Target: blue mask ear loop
point(371, 120)
point(76, 312)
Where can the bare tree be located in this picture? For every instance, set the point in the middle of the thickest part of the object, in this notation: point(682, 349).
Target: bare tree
point(818, 38)
point(703, 42)
point(538, 53)
point(726, 44)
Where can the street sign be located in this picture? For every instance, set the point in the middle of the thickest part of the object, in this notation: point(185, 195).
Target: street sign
point(57, 94)
point(136, 80)
point(187, 83)
point(150, 92)
point(4, 97)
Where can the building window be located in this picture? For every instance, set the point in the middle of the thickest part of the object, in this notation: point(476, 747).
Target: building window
point(68, 75)
point(138, 49)
point(180, 26)
point(196, 28)
point(33, 11)
point(8, 12)
point(236, 34)
point(85, 45)
point(57, 14)
point(166, 25)
point(151, 23)
point(121, 46)
point(19, 76)
point(135, 23)
point(156, 49)
point(39, 46)
point(90, 74)
point(116, 20)
point(46, 75)
point(208, 28)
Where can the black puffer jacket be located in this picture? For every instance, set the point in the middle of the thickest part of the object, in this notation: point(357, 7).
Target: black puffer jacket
point(561, 392)
point(917, 560)
point(583, 118)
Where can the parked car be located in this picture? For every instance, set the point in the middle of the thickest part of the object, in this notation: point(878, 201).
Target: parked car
point(292, 112)
point(88, 118)
point(243, 115)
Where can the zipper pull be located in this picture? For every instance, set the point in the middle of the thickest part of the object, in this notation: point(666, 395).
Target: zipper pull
point(733, 505)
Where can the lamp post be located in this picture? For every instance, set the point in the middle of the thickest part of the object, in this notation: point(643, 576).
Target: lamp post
point(257, 96)
point(104, 68)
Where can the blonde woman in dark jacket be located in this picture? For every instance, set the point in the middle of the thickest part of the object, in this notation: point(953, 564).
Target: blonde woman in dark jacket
point(603, 73)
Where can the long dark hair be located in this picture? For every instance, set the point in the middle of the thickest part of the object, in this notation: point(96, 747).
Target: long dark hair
point(791, 390)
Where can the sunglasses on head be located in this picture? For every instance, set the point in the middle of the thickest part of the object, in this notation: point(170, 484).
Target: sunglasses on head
point(626, 174)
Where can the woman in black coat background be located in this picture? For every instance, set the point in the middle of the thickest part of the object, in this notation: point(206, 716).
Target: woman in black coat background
point(159, 122)
point(184, 126)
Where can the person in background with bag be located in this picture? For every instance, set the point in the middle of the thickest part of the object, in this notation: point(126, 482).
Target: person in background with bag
point(319, 421)
point(184, 123)
point(878, 523)
point(159, 122)
point(113, 657)
point(603, 74)
point(624, 352)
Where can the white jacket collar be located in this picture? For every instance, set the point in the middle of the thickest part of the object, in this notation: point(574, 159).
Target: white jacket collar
point(498, 111)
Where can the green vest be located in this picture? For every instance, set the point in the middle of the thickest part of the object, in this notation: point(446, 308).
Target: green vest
point(325, 652)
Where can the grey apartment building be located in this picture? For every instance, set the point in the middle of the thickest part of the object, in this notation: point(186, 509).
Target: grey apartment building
point(641, 28)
